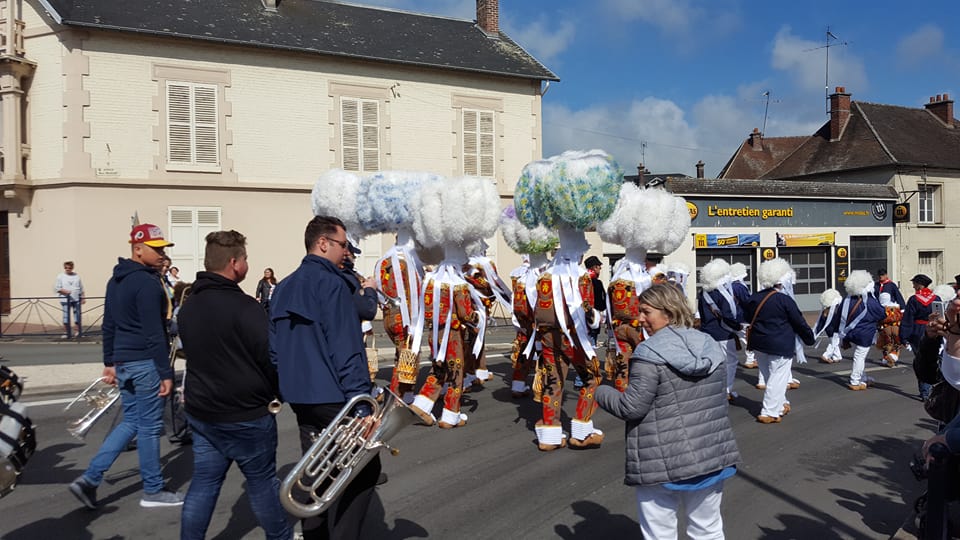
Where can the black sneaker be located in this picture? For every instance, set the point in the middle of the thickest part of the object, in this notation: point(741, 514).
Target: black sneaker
point(87, 493)
point(162, 498)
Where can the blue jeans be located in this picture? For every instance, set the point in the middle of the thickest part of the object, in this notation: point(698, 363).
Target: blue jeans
point(70, 305)
point(253, 446)
point(139, 383)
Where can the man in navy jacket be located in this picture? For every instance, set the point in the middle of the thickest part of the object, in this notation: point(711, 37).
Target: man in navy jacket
point(317, 345)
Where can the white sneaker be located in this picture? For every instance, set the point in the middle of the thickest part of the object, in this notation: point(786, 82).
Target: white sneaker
point(162, 498)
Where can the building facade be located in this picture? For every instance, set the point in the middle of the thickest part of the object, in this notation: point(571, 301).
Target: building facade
point(200, 116)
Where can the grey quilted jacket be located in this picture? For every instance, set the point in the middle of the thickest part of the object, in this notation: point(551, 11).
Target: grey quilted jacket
point(675, 406)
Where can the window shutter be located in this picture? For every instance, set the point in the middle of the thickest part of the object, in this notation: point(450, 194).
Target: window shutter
point(485, 132)
point(183, 253)
point(350, 133)
point(179, 138)
point(206, 125)
point(371, 135)
point(470, 126)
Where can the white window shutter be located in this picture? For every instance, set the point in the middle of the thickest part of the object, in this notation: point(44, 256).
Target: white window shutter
point(478, 143)
point(350, 133)
point(371, 135)
point(206, 125)
point(179, 132)
point(184, 238)
point(485, 131)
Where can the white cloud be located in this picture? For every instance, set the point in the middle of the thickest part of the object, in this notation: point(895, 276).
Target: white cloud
point(542, 41)
point(667, 15)
point(805, 61)
point(675, 139)
point(924, 43)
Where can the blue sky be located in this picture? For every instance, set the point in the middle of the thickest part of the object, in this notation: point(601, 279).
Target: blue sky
point(687, 77)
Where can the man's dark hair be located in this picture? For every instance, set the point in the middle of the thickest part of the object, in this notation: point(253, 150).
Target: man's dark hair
point(321, 226)
point(68, 263)
point(221, 247)
point(882, 272)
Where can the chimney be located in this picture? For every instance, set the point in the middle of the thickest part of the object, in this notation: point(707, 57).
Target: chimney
point(640, 170)
point(700, 168)
point(839, 112)
point(270, 5)
point(942, 108)
point(756, 139)
point(488, 17)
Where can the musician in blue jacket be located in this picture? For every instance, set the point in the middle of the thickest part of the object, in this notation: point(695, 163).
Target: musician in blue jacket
point(915, 318)
point(776, 325)
point(720, 315)
point(317, 345)
point(856, 321)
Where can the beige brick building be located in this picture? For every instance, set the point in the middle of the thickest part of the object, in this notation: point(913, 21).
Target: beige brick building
point(221, 114)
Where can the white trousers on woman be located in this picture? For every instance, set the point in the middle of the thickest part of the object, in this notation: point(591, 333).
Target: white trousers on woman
point(658, 508)
point(776, 372)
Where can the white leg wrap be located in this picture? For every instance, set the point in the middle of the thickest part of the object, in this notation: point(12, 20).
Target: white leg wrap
point(423, 403)
point(549, 434)
point(483, 374)
point(581, 430)
point(519, 386)
point(450, 417)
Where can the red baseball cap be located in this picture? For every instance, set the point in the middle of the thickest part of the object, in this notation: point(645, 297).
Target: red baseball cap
point(148, 234)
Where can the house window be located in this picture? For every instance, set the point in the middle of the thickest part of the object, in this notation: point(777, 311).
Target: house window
point(478, 139)
point(189, 227)
point(929, 196)
point(193, 131)
point(360, 134)
point(931, 264)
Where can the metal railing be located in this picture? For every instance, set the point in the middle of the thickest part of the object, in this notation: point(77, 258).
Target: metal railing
point(42, 316)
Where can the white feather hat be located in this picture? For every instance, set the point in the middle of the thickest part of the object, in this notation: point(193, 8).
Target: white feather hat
point(652, 219)
point(456, 211)
point(773, 272)
point(713, 273)
point(830, 297)
point(858, 282)
point(335, 194)
point(738, 271)
point(945, 292)
point(522, 239)
point(387, 200)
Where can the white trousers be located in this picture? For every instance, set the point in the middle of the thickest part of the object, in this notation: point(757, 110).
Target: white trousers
point(729, 348)
point(832, 352)
point(658, 508)
point(775, 370)
point(859, 359)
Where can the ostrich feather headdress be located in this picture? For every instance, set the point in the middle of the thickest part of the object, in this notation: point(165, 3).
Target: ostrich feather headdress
point(523, 239)
point(648, 218)
point(387, 200)
point(456, 211)
point(335, 194)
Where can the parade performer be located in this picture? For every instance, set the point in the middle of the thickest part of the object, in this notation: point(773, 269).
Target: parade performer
point(645, 219)
point(776, 324)
point(915, 318)
point(888, 333)
point(533, 244)
point(387, 204)
point(569, 192)
point(720, 314)
point(741, 291)
point(452, 213)
point(857, 321)
point(829, 300)
point(481, 273)
point(679, 274)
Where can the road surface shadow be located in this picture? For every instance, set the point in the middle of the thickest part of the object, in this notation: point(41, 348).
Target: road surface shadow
point(375, 526)
point(597, 522)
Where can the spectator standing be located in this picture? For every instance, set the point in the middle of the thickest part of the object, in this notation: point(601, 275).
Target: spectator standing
point(265, 288)
point(316, 344)
point(229, 386)
point(915, 318)
point(173, 276)
point(70, 289)
point(679, 444)
point(885, 285)
point(775, 324)
point(594, 266)
point(136, 359)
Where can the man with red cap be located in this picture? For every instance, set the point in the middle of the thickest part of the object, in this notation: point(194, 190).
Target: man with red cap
point(136, 359)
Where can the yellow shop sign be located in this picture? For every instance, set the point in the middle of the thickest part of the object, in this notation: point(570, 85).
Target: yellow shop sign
point(746, 211)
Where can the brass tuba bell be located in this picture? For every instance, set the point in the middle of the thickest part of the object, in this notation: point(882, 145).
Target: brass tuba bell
point(100, 400)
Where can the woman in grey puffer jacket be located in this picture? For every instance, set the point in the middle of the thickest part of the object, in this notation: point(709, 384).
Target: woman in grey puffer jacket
point(680, 446)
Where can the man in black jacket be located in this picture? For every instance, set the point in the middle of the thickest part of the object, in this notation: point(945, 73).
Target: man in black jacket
point(229, 384)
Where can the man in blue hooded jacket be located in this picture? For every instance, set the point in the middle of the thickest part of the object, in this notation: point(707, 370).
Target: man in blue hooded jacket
point(136, 359)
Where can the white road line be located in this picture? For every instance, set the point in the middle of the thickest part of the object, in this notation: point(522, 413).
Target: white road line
point(48, 402)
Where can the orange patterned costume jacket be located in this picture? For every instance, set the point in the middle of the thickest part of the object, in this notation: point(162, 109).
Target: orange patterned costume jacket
point(451, 369)
point(624, 317)
point(392, 319)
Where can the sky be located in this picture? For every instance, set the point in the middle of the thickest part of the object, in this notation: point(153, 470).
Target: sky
point(670, 82)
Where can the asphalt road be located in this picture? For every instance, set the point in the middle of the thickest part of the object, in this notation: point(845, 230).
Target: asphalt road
point(835, 468)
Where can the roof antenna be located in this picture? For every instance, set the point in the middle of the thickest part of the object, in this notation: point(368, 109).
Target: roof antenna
point(765, 109)
point(831, 41)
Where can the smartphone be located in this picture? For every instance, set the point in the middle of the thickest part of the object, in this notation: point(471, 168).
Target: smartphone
point(939, 309)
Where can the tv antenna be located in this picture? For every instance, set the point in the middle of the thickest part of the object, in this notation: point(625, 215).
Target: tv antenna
point(831, 40)
point(766, 108)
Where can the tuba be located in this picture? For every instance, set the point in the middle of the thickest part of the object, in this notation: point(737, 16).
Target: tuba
point(100, 401)
point(341, 451)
